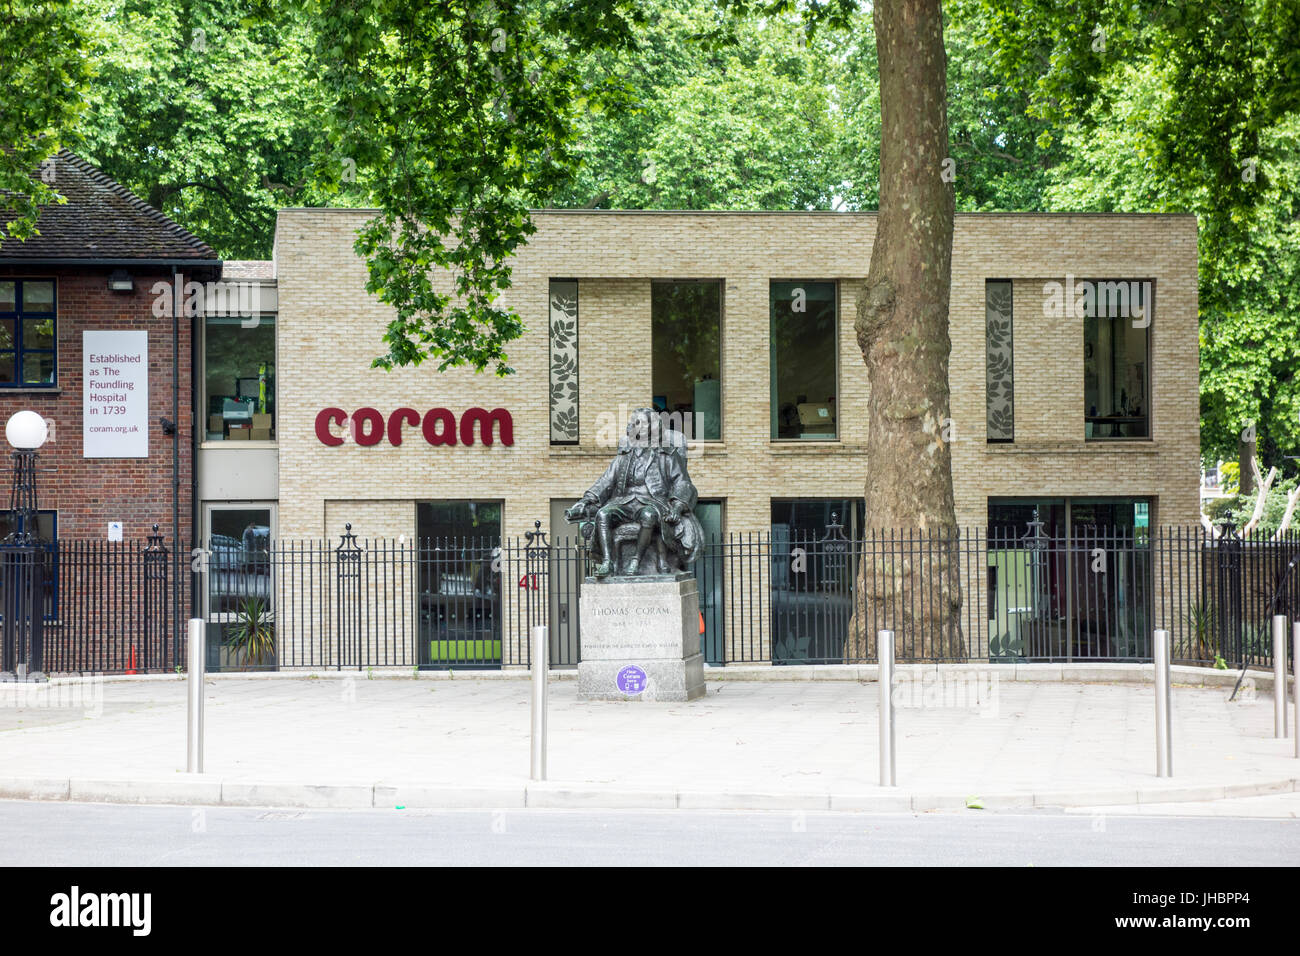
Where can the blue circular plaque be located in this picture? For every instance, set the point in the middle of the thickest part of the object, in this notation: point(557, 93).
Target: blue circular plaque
point(631, 680)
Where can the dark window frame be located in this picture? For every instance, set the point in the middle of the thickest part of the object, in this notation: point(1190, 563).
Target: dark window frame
point(1149, 413)
point(722, 349)
point(853, 521)
point(17, 315)
point(204, 401)
point(771, 350)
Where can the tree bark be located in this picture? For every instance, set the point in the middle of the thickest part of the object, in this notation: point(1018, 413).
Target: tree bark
point(902, 329)
point(1245, 466)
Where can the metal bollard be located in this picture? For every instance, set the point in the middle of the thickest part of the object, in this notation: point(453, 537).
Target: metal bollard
point(198, 663)
point(1164, 736)
point(885, 654)
point(1279, 675)
point(541, 648)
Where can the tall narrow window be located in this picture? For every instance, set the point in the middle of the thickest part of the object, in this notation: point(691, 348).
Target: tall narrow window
point(1116, 369)
point(239, 586)
point(564, 361)
point(686, 354)
point(27, 323)
point(803, 360)
point(999, 365)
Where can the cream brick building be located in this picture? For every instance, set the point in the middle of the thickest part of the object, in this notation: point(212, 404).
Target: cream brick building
point(328, 329)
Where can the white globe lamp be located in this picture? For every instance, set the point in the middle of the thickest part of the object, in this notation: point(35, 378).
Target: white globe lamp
point(26, 431)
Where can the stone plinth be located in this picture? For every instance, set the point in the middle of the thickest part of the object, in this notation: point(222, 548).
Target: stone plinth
point(641, 639)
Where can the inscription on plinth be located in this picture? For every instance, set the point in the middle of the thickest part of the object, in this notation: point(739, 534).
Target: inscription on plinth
point(641, 640)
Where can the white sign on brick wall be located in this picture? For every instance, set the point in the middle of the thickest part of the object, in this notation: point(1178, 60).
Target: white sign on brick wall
point(115, 403)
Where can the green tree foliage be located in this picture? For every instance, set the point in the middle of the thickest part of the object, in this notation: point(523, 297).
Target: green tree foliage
point(463, 114)
point(1187, 107)
point(1231, 473)
point(763, 112)
point(748, 120)
point(1003, 159)
point(43, 73)
point(208, 109)
point(1243, 507)
point(220, 113)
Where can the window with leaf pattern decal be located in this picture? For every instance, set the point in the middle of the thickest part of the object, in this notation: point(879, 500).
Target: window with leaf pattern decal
point(999, 365)
point(564, 361)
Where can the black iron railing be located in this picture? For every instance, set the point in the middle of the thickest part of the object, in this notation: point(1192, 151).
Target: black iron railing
point(783, 599)
point(106, 607)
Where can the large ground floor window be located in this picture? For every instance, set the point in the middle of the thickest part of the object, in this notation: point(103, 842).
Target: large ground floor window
point(459, 576)
point(240, 605)
point(1069, 577)
point(47, 535)
point(812, 577)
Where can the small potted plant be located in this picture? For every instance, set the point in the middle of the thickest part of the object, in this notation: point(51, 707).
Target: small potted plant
point(1204, 627)
point(250, 638)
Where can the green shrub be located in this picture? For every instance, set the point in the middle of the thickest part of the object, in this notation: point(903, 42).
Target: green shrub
point(1221, 509)
point(1230, 472)
point(1274, 508)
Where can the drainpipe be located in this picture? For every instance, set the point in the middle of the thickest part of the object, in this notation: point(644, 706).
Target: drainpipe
point(176, 461)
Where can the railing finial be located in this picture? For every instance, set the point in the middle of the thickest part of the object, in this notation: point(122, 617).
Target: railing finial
point(347, 541)
point(155, 546)
point(834, 530)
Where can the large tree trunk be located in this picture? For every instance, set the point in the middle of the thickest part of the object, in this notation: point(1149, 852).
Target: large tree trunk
point(902, 327)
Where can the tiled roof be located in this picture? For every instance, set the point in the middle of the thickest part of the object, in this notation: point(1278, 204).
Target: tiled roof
point(248, 269)
point(102, 219)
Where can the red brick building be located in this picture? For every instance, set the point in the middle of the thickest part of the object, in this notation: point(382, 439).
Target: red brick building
point(104, 262)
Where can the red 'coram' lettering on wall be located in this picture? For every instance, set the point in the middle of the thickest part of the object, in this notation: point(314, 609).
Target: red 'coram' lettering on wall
point(448, 434)
point(403, 416)
point(368, 425)
point(438, 426)
point(485, 419)
point(324, 419)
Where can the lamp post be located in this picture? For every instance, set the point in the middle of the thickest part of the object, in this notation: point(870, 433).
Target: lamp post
point(22, 561)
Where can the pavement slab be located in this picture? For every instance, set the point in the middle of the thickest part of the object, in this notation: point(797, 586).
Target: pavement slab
point(805, 744)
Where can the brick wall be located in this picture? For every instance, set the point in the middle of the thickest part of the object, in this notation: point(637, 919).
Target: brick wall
point(87, 493)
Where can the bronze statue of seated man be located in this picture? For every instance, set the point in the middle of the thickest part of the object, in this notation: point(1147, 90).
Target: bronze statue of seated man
point(646, 495)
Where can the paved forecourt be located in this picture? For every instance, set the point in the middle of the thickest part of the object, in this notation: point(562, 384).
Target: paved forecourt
point(349, 741)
